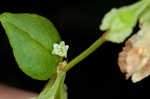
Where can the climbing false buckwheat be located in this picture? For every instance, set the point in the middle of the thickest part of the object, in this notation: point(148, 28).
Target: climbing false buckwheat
point(60, 49)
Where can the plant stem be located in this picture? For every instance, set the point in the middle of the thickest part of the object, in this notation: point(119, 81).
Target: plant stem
point(72, 63)
point(87, 52)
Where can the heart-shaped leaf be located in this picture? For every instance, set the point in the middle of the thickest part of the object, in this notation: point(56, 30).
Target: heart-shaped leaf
point(32, 37)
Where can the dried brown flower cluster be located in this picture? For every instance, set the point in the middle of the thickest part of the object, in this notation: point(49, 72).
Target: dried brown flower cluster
point(134, 60)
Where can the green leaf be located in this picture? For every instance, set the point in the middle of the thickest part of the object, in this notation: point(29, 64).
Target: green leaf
point(55, 89)
point(120, 22)
point(145, 17)
point(63, 93)
point(32, 37)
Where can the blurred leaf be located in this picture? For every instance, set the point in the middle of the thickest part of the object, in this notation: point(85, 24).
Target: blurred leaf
point(120, 22)
point(55, 89)
point(145, 17)
point(62, 91)
point(32, 37)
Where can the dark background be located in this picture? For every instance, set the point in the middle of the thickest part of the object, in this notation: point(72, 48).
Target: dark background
point(78, 24)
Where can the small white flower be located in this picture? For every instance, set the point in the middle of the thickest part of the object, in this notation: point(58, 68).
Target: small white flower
point(60, 49)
